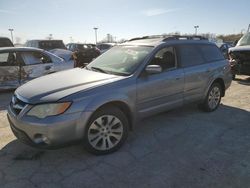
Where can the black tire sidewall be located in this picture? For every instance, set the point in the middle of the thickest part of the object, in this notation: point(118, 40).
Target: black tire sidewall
point(109, 110)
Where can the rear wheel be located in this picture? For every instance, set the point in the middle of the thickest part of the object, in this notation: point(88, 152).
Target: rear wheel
point(106, 131)
point(213, 98)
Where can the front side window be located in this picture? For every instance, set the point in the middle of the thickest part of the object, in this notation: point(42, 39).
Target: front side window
point(165, 58)
point(190, 55)
point(120, 60)
point(31, 58)
point(8, 59)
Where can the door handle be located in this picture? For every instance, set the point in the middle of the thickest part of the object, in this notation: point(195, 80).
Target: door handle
point(47, 67)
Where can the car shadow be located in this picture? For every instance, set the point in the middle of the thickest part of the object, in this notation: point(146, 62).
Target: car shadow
point(243, 81)
point(189, 115)
point(189, 130)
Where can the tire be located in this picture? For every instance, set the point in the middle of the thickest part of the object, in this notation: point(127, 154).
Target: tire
point(106, 131)
point(213, 98)
point(233, 76)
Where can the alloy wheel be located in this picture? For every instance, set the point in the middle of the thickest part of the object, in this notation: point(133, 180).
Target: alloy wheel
point(105, 132)
point(214, 97)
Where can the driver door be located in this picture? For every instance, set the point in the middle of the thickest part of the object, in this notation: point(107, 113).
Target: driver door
point(36, 64)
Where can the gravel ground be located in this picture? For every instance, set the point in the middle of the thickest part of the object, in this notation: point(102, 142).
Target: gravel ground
point(181, 148)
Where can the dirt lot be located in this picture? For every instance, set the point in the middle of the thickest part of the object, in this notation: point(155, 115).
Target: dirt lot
point(181, 148)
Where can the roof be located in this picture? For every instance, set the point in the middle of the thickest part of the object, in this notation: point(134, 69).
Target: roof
point(156, 40)
point(23, 49)
point(40, 40)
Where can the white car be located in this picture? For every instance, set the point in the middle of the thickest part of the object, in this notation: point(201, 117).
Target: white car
point(21, 64)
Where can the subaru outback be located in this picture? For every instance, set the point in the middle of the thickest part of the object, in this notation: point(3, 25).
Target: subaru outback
point(100, 104)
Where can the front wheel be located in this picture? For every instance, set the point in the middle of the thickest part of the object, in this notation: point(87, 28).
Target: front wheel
point(106, 131)
point(213, 98)
point(233, 76)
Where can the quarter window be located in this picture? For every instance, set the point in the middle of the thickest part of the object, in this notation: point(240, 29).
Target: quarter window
point(211, 53)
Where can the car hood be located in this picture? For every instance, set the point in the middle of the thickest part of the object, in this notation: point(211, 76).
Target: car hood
point(59, 85)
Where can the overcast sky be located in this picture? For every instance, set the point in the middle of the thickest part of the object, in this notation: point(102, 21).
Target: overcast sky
point(36, 19)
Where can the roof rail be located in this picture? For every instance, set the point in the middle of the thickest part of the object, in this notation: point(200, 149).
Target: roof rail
point(185, 37)
point(171, 37)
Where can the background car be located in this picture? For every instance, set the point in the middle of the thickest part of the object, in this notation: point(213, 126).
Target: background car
point(46, 44)
point(224, 47)
point(103, 47)
point(56, 47)
point(84, 53)
point(240, 56)
point(19, 65)
point(5, 42)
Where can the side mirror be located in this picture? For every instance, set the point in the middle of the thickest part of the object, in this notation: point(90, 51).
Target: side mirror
point(153, 69)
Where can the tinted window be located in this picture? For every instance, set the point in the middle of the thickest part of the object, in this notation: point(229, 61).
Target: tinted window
point(190, 55)
point(4, 42)
point(211, 53)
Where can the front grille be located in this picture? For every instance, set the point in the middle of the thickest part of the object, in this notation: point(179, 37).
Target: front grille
point(17, 105)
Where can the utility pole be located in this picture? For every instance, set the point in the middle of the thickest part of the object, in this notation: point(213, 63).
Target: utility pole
point(11, 33)
point(196, 28)
point(95, 28)
point(248, 28)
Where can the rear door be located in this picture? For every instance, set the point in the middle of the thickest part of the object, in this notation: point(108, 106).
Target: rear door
point(36, 64)
point(198, 64)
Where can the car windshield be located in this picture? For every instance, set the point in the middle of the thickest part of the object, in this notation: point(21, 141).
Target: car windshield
point(245, 40)
point(120, 60)
point(83, 46)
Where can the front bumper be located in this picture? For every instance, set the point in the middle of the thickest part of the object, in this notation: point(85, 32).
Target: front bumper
point(49, 132)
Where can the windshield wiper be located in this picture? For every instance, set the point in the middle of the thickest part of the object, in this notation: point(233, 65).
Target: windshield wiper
point(98, 69)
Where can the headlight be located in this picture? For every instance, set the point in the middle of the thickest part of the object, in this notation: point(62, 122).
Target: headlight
point(45, 110)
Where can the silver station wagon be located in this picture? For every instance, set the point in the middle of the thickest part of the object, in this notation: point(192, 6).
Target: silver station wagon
point(100, 103)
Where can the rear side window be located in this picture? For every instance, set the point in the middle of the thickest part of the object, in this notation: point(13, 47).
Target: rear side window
point(190, 55)
point(211, 53)
point(32, 58)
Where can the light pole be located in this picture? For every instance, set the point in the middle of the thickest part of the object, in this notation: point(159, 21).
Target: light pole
point(95, 28)
point(11, 30)
point(196, 28)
